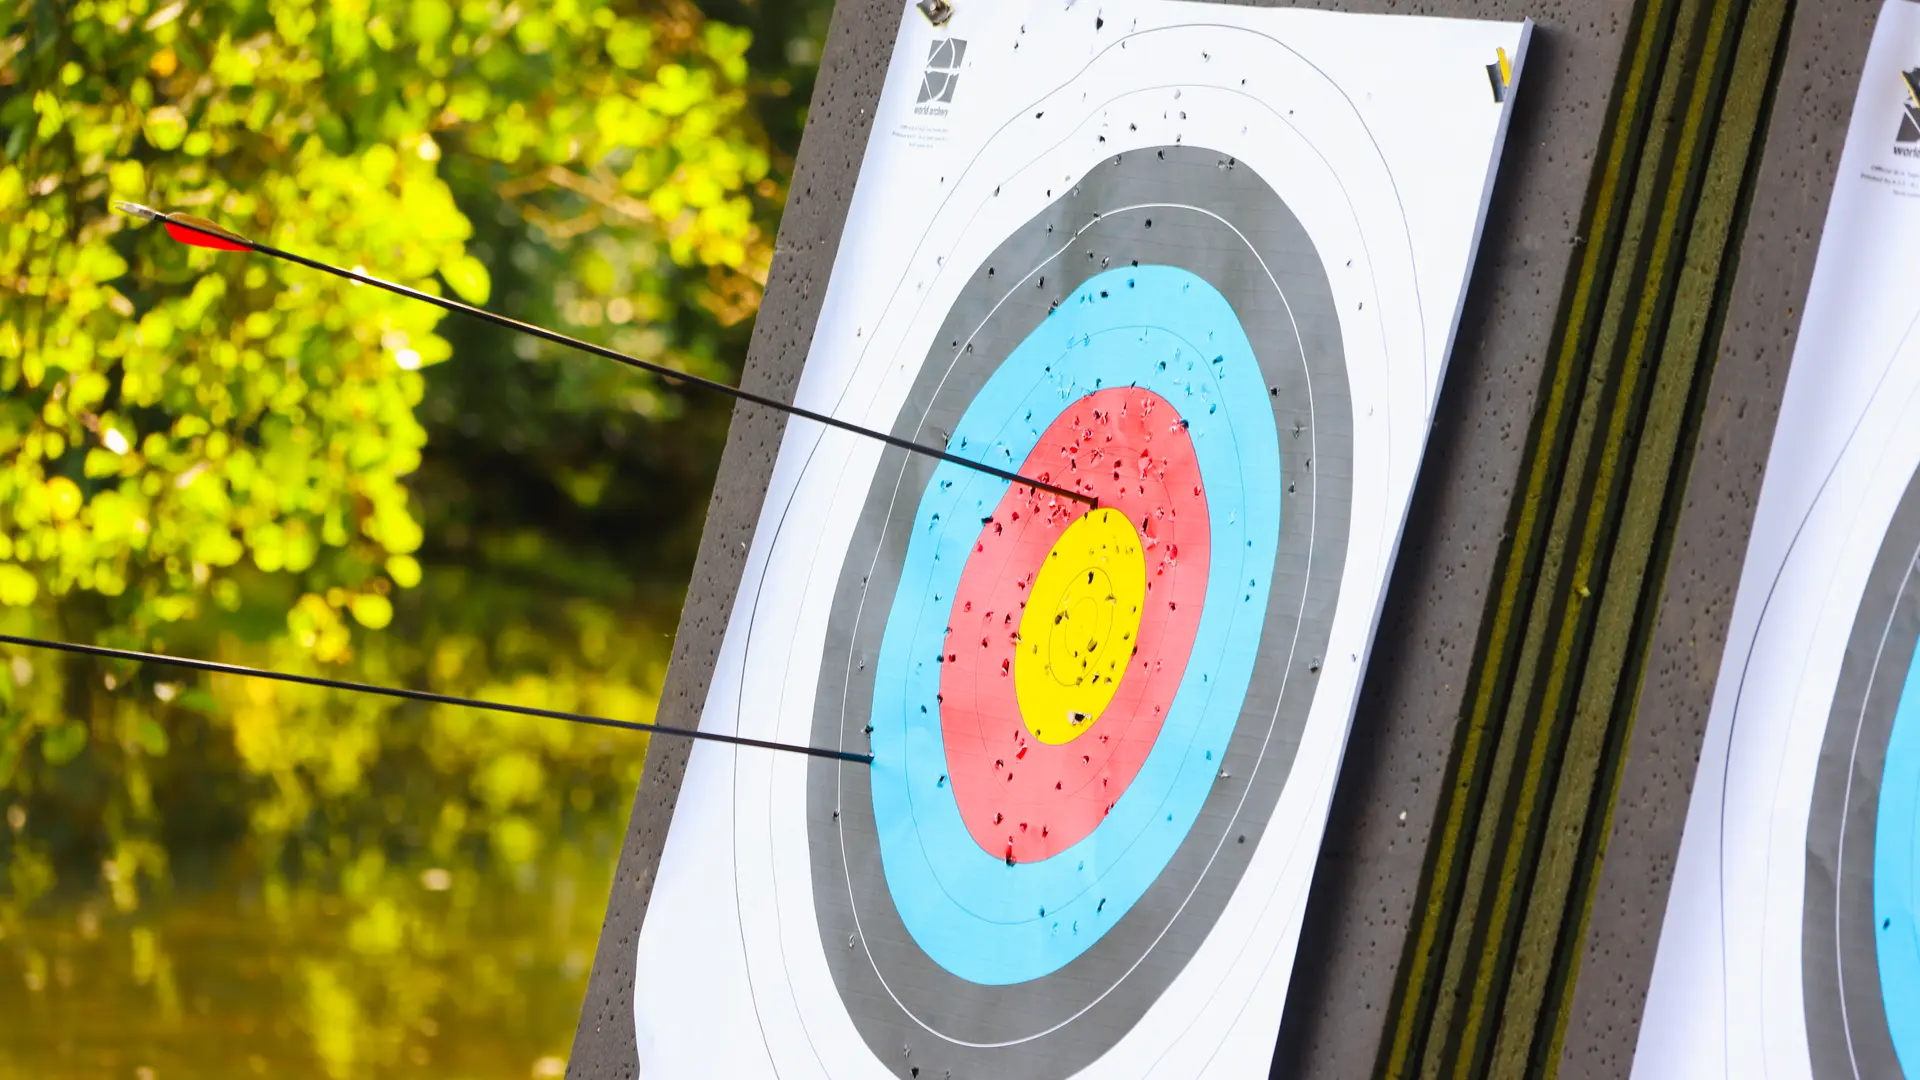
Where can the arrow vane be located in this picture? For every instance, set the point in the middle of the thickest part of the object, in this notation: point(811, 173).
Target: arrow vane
point(200, 232)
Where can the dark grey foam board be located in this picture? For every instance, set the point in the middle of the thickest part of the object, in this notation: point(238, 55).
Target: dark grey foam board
point(1827, 49)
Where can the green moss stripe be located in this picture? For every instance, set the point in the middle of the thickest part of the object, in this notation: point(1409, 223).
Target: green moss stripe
point(1498, 959)
point(1495, 951)
point(1497, 871)
point(1435, 919)
point(1630, 110)
point(1709, 197)
point(1581, 821)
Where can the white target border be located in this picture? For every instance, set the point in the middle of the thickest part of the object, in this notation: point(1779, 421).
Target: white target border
point(733, 979)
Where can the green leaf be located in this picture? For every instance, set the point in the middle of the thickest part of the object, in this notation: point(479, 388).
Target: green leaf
point(431, 18)
point(17, 587)
point(199, 700)
point(165, 127)
point(629, 43)
point(47, 104)
point(535, 32)
point(232, 438)
point(372, 611)
point(468, 277)
point(127, 179)
point(63, 742)
point(515, 839)
point(151, 736)
point(404, 570)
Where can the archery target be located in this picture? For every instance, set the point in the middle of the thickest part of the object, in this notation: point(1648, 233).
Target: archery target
point(1173, 270)
point(1024, 867)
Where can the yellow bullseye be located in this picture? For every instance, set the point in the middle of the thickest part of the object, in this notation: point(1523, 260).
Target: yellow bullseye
point(1081, 626)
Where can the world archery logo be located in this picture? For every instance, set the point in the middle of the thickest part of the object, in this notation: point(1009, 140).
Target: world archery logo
point(1910, 121)
point(943, 71)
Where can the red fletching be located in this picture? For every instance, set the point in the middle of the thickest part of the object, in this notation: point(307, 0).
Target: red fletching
point(186, 230)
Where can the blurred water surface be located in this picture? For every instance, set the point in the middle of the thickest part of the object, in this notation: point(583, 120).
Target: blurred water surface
point(447, 971)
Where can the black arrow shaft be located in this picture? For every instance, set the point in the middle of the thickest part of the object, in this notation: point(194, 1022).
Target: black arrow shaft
point(633, 361)
point(424, 695)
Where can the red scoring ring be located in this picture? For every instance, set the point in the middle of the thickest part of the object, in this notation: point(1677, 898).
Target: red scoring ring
point(1023, 799)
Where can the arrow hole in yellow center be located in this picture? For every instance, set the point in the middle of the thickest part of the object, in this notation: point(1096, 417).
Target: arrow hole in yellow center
point(1081, 626)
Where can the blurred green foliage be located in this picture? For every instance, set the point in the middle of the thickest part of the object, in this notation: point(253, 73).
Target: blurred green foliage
point(172, 413)
point(229, 457)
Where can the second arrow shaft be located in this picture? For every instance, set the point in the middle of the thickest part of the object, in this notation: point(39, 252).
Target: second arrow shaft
point(619, 357)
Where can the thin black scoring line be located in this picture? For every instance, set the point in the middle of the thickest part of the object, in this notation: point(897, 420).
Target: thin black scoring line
point(1209, 692)
point(1157, 939)
point(1037, 382)
point(1301, 347)
point(898, 482)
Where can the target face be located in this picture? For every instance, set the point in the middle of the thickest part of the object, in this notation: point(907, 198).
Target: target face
point(1863, 834)
point(1081, 721)
point(1161, 255)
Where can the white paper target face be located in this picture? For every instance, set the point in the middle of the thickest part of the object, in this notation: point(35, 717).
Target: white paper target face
point(1201, 265)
